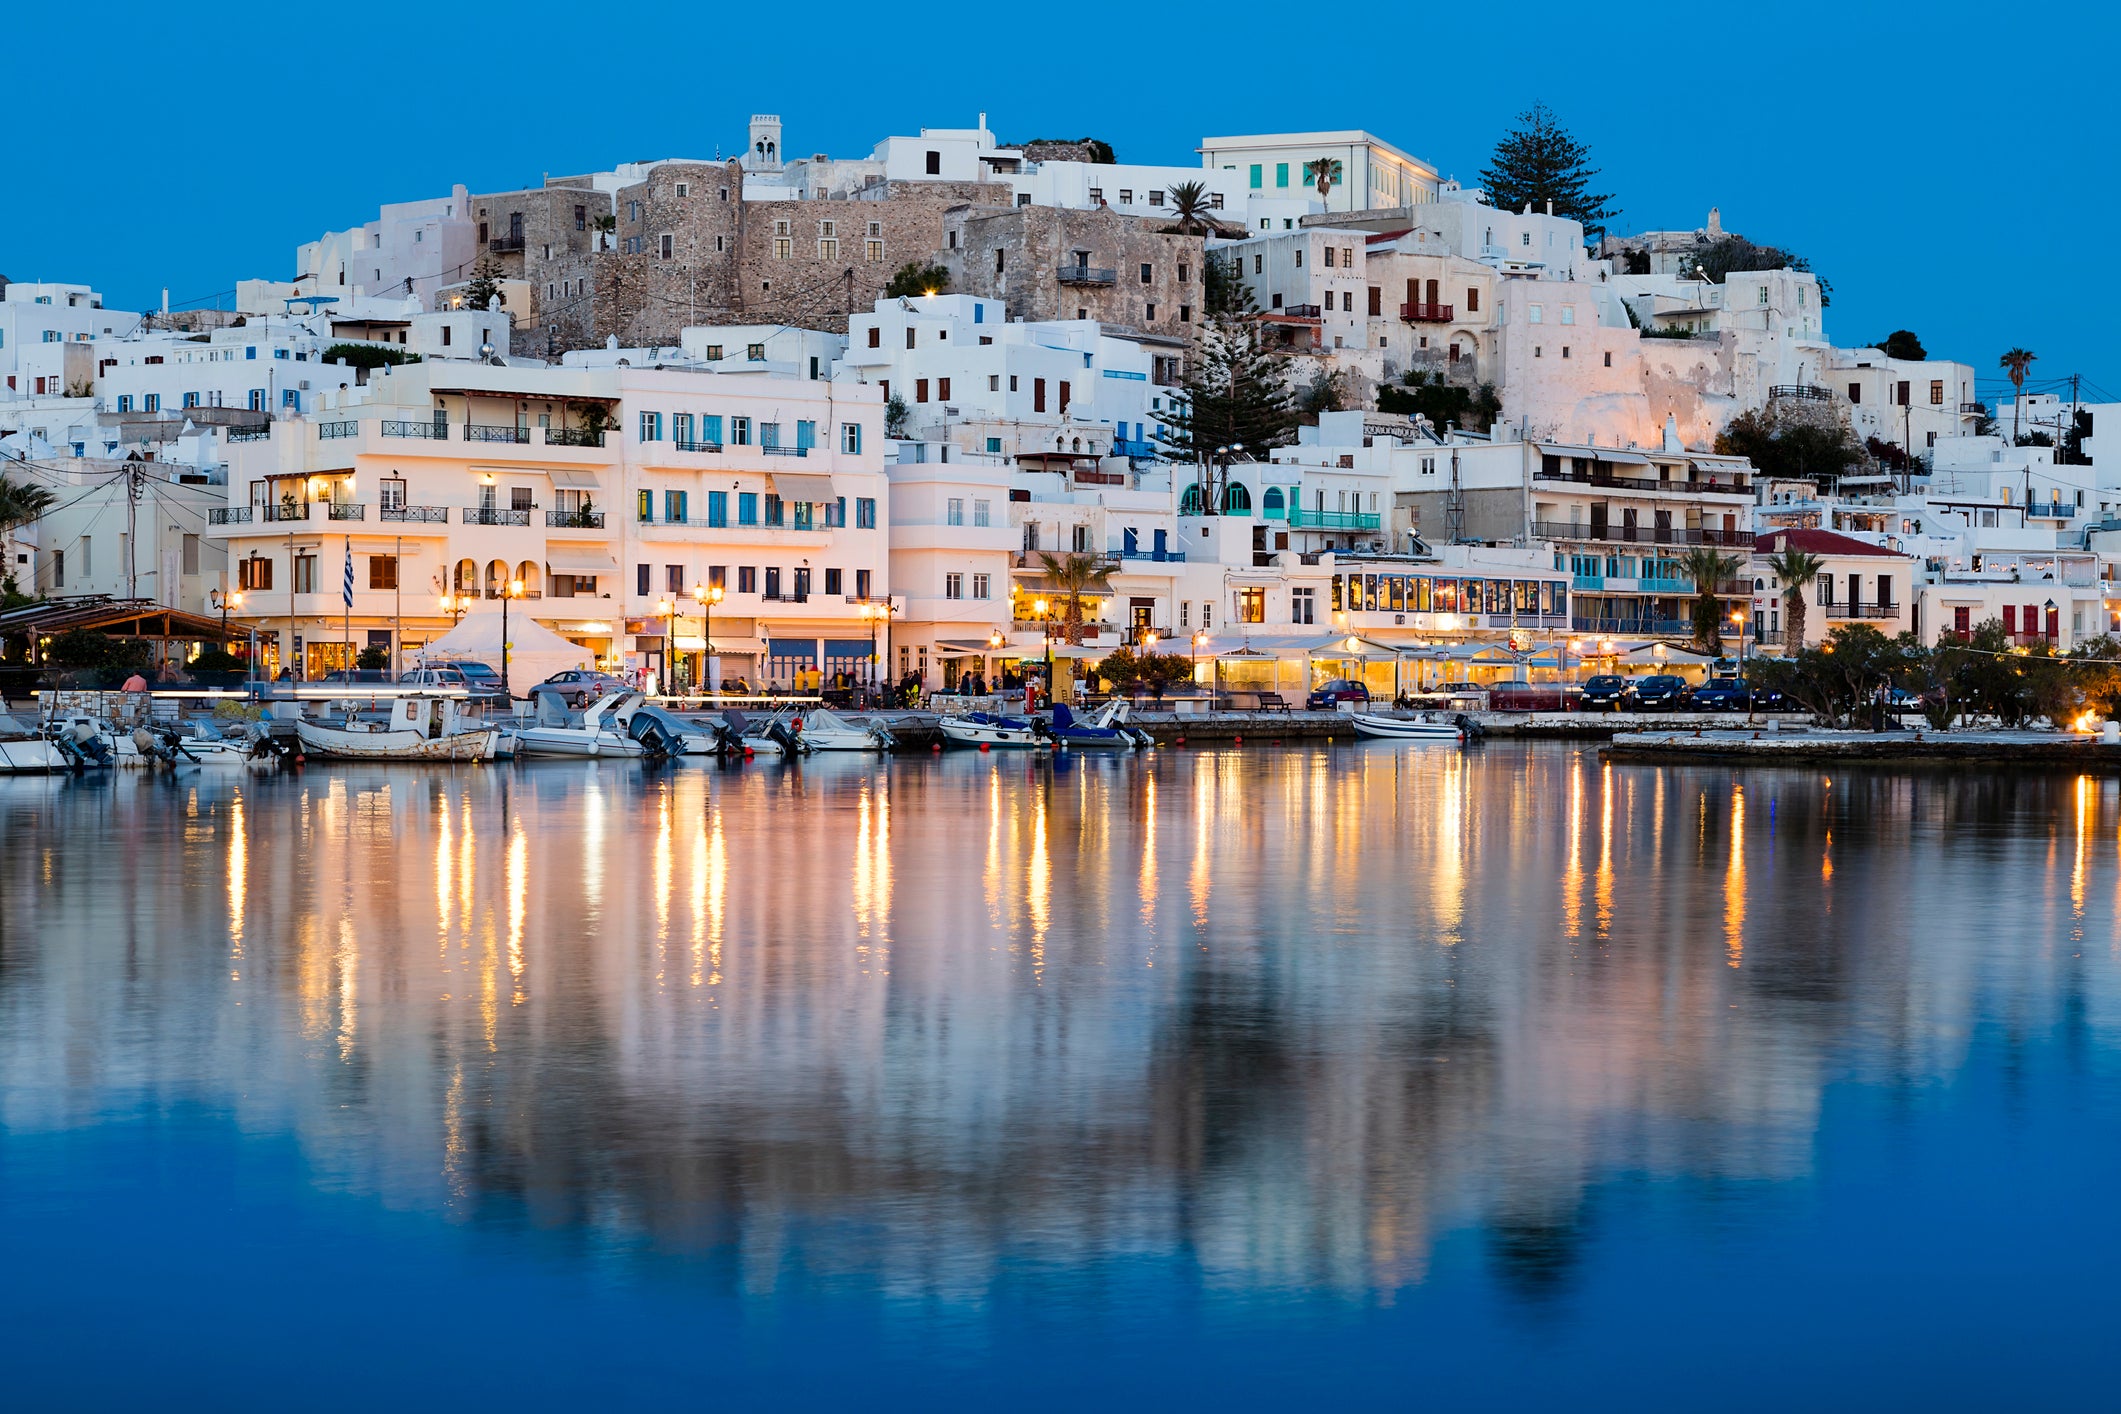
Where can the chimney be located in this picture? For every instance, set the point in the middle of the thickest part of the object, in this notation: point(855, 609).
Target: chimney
point(1715, 222)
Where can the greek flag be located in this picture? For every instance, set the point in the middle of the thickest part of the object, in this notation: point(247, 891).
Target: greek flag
point(346, 581)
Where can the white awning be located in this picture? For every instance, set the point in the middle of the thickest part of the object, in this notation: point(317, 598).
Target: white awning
point(572, 478)
point(802, 486)
point(580, 559)
point(967, 648)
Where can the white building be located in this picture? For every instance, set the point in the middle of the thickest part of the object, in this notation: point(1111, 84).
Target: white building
point(609, 494)
point(1372, 172)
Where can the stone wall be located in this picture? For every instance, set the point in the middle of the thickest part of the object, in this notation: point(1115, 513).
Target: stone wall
point(1024, 257)
point(812, 263)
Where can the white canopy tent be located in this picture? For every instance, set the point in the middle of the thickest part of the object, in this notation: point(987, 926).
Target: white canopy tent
point(535, 652)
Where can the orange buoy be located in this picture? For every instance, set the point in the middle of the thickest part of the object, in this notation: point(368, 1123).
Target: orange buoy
point(1237, 741)
point(983, 746)
point(935, 746)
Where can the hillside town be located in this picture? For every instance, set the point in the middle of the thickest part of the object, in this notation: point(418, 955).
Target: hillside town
point(1294, 407)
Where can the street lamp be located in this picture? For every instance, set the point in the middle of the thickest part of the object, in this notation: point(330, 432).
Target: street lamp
point(667, 606)
point(224, 600)
point(514, 591)
point(1046, 625)
point(707, 596)
point(454, 605)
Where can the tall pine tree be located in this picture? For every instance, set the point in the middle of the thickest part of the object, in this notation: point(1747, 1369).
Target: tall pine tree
point(1236, 395)
point(1540, 161)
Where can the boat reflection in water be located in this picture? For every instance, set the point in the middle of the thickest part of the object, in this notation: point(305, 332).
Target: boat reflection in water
point(1339, 1025)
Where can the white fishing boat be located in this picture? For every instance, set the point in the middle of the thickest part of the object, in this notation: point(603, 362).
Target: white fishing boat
point(619, 724)
point(419, 728)
point(1422, 726)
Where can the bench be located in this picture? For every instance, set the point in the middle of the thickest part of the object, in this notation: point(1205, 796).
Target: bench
point(1273, 702)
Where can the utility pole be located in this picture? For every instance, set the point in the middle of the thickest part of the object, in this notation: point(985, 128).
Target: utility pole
point(135, 486)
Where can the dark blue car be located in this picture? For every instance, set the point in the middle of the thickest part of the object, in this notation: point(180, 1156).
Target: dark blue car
point(1722, 695)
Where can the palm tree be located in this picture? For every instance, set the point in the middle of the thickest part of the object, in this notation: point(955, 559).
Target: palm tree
point(1075, 578)
point(1189, 203)
point(2015, 363)
point(1708, 567)
point(21, 502)
point(1322, 172)
point(1797, 571)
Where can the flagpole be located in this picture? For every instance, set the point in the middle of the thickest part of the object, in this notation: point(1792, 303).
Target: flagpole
point(346, 597)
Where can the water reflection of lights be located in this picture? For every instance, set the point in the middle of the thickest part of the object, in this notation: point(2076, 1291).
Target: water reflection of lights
point(1603, 885)
point(1734, 883)
point(518, 902)
point(1148, 852)
point(1572, 868)
point(238, 883)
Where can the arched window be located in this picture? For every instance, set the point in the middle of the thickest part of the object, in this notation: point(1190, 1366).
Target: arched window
point(467, 577)
point(1270, 502)
point(528, 573)
point(1236, 499)
point(1189, 501)
point(496, 578)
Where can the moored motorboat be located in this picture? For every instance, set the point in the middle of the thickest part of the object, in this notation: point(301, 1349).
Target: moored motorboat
point(419, 728)
point(23, 751)
point(1107, 731)
point(1422, 726)
point(621, 724)
point(992, 729)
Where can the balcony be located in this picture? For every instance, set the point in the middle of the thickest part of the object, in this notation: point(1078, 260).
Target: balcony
point(495, 515)
point(505, 245)
point(260, 434)
point(575, 520)
point(697, 446)
point(1427, 313)
point(1087, 275)
point(485, 432)
point(1300, 311)
point(1637, 628)
point(430, 431)
point(286, 510)
point(228, 515)
point(572, 437)
point(332, 431)
point(430, 515)
point(784, 451)
point(1301, 519)
point(2051, 510)
point(1802, 392)
point(1973, 409)
point(348, 510)
point(1035, 560)
point(1642, 484)
point(1085, 477)
point(1847, 610)
point(1640, 534)
point(1161, 557)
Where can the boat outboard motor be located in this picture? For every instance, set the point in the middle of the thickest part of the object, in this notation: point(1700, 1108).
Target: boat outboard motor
point(882, 736)
point(658, 742)
point(161, 743)
point(81, 744)
point(789, 740)
point(1473, 730)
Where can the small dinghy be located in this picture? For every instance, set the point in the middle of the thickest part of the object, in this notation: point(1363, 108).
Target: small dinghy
point(1423, 726)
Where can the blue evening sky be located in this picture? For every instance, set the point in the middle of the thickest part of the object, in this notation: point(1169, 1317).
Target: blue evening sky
point(1943, 175)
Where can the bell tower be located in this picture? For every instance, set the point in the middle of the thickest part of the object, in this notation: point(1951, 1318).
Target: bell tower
point(764, 152)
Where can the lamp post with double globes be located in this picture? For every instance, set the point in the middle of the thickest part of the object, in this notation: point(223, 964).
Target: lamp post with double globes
point(707, 596)
point(514, 591)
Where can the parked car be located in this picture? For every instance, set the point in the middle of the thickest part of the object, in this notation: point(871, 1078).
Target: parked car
point(1722, 695)
point(1607, 692)
point(1662, 693)
point(482, 689)
point(1329, 695)
point(578, 687)
point(357, 675)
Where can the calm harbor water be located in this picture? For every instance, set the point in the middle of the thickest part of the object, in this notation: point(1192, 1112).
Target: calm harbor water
point(1272, 1077)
